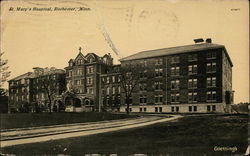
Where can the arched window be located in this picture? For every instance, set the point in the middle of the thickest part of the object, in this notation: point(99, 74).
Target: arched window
point(90, 60)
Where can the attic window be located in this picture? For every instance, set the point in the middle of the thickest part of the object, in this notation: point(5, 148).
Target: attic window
point(79, 62)
point(71, 64)
point(91, 60)
point(105, 60)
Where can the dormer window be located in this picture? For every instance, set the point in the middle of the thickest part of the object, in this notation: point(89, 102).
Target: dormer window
point(71, 64)
point(91, 60)
point(105, 60)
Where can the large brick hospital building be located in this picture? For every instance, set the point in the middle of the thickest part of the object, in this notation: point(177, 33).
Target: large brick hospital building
point(190, 78)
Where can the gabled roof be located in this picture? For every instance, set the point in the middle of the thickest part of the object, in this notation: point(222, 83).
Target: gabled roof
point(79, 55)
point(172, 50)
point(23, 76)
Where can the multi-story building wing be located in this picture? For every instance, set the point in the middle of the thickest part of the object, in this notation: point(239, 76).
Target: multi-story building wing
point(192, 78)
point(34, 89)
point(47, 83)
point(19, 92)
point(111, 89)
point(83, 81)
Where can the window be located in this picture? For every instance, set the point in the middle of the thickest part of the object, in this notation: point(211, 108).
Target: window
point(145, 109)
point(107, 80)
point(128, 87)
point(91, 60)
point(119, 89)
point(113, 78)
point(143, 86)
point(90, 90)
point(71, 64)
point(175, 98)
point(192, 83)
point(211, 67)
point(177, 108)
point(211, 55)
point(113, 90)
point(192, 97)
point(119, 78)
point(90, 69)
point(208, 108)
point(140, 109)
point(79, 62)
point(70, 73)
point(192, 69)
point(213, 108)
point(158, 85)
point(77, 82)
point(195, 108)
point(79, 72)
point(80, 90)
point(192, 57)
point(108, 90)
point(175, 84)
point(158, 72)
point(175, 59)
point(156, 109)
point(159, 61)
point(160, 109)
point(143, 99)
point(175, 71)
point(172, 109)
point(54, 77)
point(211, 96)
point(211, 82)
point(158, 98)
point(190, 108)
point(89, 80)
point(145, 62)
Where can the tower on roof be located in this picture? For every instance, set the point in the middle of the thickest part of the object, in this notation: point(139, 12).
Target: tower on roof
point(80, 49)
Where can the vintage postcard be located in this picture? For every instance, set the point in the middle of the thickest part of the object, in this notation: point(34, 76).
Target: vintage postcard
point(124, 77)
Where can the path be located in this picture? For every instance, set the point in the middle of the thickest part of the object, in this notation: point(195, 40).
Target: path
point(47, 133)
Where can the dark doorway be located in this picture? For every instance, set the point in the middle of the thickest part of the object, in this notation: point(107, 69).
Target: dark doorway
point(77, 102)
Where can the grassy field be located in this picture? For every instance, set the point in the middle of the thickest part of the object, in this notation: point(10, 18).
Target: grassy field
point(192, 135)
point(44, 119)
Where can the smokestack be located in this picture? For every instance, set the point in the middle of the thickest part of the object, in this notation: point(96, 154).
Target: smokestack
point(198, 40)
point(208, 40)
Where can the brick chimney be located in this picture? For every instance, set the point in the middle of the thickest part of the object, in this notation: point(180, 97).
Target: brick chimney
point(208, 40)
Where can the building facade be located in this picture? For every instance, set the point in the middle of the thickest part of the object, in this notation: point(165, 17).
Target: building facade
point(186, 79)
point(83, 78)
point(35, 91)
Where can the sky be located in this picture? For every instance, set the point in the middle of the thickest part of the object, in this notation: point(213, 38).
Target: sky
point(51, 38)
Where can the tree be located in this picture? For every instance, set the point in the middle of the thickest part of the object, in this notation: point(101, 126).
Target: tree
point(50, 85)
point(130, 75)
point(4, 73)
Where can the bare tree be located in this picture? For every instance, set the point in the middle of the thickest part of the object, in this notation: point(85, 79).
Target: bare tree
point(130, 75)
point(4, 74)
point(50, 85)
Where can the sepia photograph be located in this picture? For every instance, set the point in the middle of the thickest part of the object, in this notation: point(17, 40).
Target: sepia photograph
point(124, 77)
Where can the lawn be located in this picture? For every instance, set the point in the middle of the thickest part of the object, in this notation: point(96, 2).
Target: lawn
point(191, 135)
point(21, 120)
